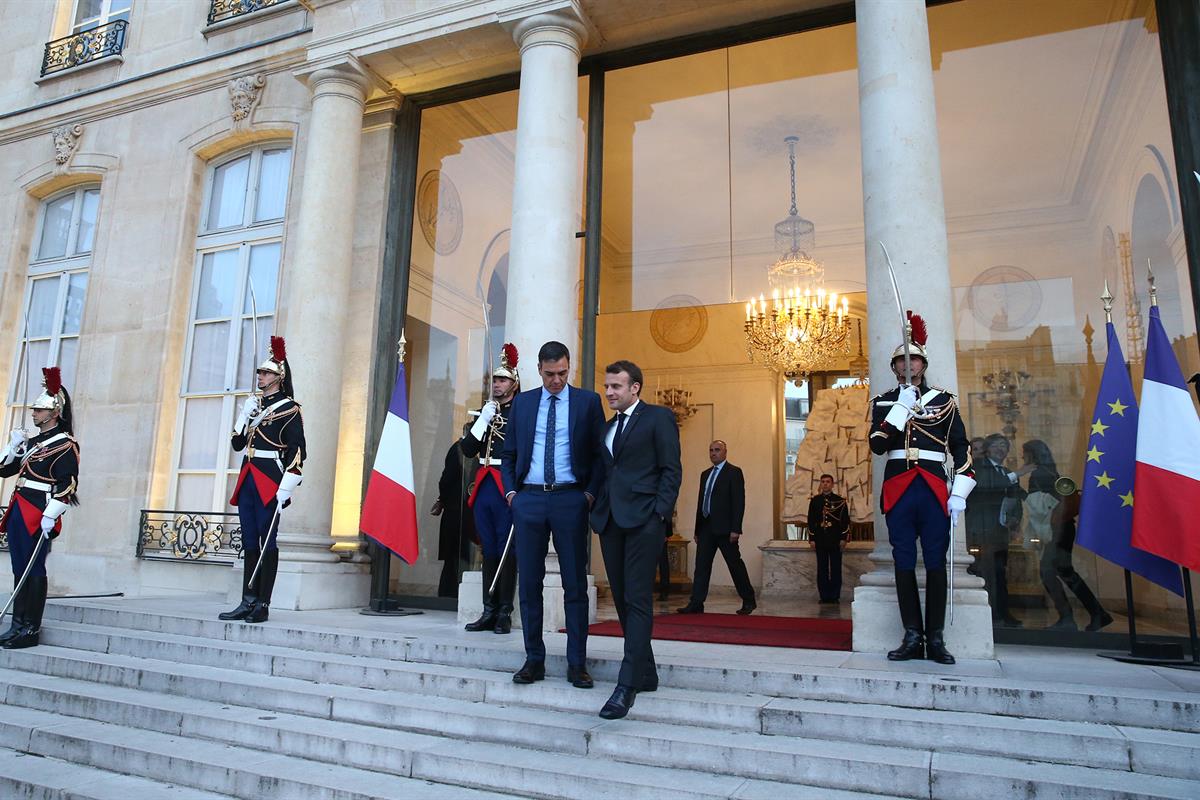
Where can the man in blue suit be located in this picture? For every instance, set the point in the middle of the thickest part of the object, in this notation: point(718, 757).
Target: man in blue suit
point(551, 467)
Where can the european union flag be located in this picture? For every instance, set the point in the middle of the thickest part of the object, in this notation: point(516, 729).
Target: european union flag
point(1106, 509)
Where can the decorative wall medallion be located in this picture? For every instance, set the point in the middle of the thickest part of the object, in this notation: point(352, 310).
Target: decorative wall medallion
point(244, 94)
point(440, 212)
point(678, 323)
point(1005, 298)
point(66, 142)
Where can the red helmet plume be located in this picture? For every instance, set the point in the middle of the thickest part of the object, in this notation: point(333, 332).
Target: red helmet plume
point(510, 355)
point(919, 333)
point(278, 349)
point(52, 378)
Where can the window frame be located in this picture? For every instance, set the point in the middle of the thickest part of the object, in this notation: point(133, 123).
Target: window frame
point(105, 17)
point(241, 239)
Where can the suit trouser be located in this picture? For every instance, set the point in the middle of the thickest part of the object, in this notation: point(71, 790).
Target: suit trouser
point(631, 558)
point(829, 572)
point(537, 516)
point(707, 546)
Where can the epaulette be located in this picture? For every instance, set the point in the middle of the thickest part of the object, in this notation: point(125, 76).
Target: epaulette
point(944, 391)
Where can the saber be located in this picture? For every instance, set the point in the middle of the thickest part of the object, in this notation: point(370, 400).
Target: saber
point(905, 326)
point(950, 570)
point(270, 531)
point(37, 548)
point(253, 333)
point(504, 555)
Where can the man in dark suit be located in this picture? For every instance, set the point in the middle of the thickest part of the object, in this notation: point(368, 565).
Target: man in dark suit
point(828, 526)
point(641, 485)
point(720, 507)
point(551, 469)
point(993, 509)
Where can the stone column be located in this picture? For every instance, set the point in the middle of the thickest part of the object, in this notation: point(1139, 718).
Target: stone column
point(316, 297)
point(544, 253)
point(903, 208)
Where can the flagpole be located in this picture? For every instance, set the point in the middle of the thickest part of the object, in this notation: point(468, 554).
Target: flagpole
point(1191, 616)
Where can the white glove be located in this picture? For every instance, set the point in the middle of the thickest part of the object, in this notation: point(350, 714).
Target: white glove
point(287, 484)
point(486, 415)
point(283, 497)
point(47, 525)
point(956, 505)
point(902, 409)
point(249, 409)
point(17, 438)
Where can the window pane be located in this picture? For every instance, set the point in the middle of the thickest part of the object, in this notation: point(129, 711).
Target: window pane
point(30, 376)
point(68, 361)
point(194, 493)
point(73, 313)
point(87, 220)
point(230, 482)
point(41, 307)
point(247, 358)
point(201, 433)
point(56, 225)
point(218, 280)
point(227, 205)
point(272, 185)
point(264, 269)
point(87, 11)
point(210, 350)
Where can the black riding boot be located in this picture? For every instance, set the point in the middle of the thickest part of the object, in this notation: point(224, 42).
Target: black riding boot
point(506, 589)
point(249, 559)
point(266, 585)
point(487, 620)
point(33, 603)
point(909, 598)
point(16, 608)
point(935, 616)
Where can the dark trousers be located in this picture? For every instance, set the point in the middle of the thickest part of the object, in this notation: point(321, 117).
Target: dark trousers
point(493, 519)
point(918, 516)
point(664, 568)
point(829, 572)
point(993, 568)
point(630, 558)
point(256, 519)
point(707, 546)
point(21, 543)
point(1055, 565)
point(539, 515)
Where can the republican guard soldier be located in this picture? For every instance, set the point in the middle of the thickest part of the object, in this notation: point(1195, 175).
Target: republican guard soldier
point(47, 470)
point(493, 517)
point(271, 431)
point(926, 481)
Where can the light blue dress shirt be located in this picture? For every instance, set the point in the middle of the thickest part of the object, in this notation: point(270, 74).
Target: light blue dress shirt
point(562, 440)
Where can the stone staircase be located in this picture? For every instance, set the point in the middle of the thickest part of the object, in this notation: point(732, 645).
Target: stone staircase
point(125, 702)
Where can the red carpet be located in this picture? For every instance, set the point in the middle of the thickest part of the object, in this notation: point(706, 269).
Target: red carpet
point(810, 633)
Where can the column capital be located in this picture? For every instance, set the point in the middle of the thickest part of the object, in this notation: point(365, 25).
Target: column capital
point(346, 76)
point(565, 27)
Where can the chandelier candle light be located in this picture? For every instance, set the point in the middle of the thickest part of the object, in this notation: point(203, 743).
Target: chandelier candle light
point(797, 333)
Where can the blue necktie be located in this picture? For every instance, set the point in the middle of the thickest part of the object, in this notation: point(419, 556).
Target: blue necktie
point(712, 480)
point(620, 430)
point(551, 424)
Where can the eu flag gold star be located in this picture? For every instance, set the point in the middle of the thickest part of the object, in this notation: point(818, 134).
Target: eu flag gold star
point(1102, 480)
point(1117, 408)
point(1127, 499)
point(1094, 454)
point(1099, 427)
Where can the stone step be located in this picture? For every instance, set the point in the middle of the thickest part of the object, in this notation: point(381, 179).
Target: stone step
point(24, 776)
point(1085, 744)
point(208, 766)
point(955, 692)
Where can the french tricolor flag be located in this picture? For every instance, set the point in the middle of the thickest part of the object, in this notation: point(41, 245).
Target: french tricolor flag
point(1167, 475)
point(389, 513)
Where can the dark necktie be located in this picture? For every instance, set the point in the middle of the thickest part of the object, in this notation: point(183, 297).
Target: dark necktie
point(620, 430)
point(551, 425)
point(708, 488)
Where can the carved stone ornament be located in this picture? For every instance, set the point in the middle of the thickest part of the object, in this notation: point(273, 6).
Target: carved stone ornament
point(66, 142)
point(244, 94)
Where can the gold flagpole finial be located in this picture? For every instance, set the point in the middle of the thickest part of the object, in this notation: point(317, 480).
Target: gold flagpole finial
point(1107, 298)
point(1153, 288)
point(401, 346)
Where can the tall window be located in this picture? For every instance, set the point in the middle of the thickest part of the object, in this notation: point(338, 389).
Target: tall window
point(54, 294)
point(94, 13)
point(237, 272)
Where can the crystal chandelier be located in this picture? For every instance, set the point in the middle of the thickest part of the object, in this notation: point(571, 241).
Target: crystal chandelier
point(802, 329)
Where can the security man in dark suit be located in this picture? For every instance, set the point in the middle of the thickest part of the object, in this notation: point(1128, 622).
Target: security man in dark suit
point(551, 471)
point(828, 526)
point(720, 506)
point(641, 485)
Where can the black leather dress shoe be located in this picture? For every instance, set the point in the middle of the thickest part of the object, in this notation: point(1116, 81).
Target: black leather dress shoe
point(580, 678)
point(619, 704)
point(747, 607)
point(531, 671)
point(690, 609)
point(503, 624)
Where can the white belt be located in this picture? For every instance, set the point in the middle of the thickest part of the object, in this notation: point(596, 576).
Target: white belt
point(490, 462)
point(268, 456)
point(916, 454)
point(38, 486)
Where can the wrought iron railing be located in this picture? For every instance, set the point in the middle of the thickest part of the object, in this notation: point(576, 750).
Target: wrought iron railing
point(221, 10)
point(206, 537)
point(80, 48)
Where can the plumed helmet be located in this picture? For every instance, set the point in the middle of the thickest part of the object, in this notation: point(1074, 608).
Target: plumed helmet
point(917, 336)
point(508, 364)
point(277, 363)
